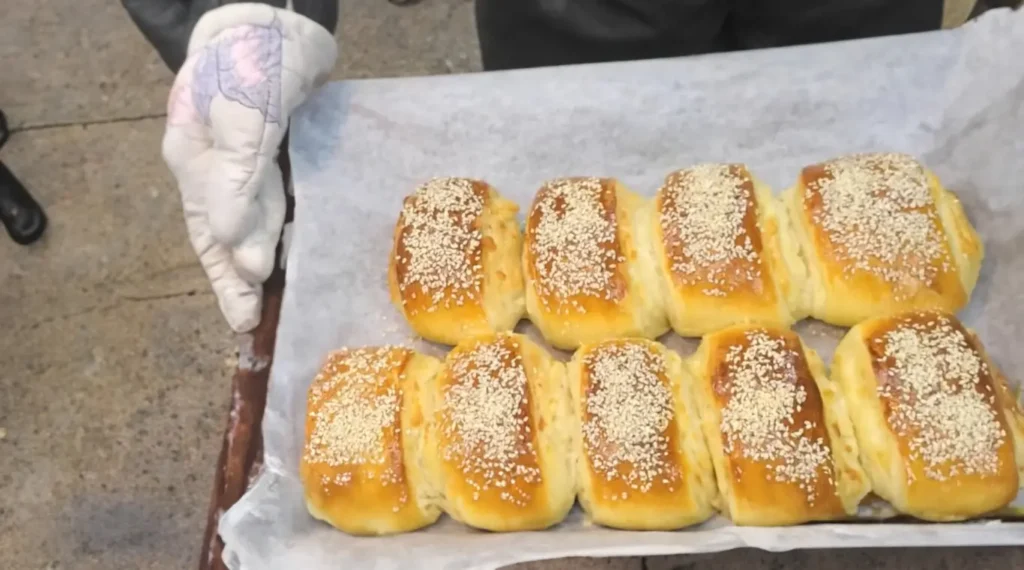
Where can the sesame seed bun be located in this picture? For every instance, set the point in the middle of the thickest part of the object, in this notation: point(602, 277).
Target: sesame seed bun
point(360, 463)
point(499, 435)
point(881, 235)
point(454, 270)
point(936, 424)
point(778, 431)
point(641, 459)
point(589, 271)
point(725, 252)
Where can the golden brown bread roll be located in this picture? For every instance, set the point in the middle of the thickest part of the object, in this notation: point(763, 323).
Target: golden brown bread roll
point(454, 270)
point(725, 251)
point(642, 463)
point(588, 263)
point(499, 435)
point(778, 430)
point(360, 467)
point(881, 235)
point(939, 432)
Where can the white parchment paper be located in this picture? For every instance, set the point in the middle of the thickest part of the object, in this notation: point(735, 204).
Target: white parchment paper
point(953, 98)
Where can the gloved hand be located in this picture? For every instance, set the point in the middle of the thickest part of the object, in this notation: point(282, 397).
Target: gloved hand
point(248, 67)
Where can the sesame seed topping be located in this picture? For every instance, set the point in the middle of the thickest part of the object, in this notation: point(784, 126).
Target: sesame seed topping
point(439, 250)
point(880, 217)
point(354, 406)
point(574, 241)
point(486, 421)
point(941, 402)
point(628, 411)
point(704, 213)
point(759, 419)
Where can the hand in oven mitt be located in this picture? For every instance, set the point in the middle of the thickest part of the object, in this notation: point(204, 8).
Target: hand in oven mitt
point(248, 67)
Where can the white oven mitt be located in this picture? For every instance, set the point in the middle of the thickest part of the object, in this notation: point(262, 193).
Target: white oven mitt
point(248, 67)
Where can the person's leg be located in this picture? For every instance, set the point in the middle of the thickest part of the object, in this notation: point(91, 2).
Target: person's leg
point(533, 33)
point(770, 23)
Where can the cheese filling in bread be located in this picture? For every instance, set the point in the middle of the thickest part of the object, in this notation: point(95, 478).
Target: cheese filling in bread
point(778, 431)
point(939, 432)
point(588, 264)
point(360, 466)
point(880, 234)
point(725, 251)
point(641, 459)
point(499, 435)
point(455, 270)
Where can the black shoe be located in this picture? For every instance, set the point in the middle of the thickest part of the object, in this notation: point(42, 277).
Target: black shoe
point(20, 214)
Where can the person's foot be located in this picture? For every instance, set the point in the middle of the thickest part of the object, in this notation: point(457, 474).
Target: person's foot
point(21, 215)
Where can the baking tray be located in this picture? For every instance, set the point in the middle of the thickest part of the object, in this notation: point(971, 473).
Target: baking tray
point(954, 98)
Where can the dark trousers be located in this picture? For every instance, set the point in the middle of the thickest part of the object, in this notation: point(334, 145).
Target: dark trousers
point(533, 33)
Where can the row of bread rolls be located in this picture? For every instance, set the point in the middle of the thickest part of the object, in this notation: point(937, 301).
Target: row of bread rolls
point(856, 237)
point(503, 437)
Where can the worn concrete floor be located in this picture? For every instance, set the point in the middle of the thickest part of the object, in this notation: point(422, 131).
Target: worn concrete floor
point(114, 362)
